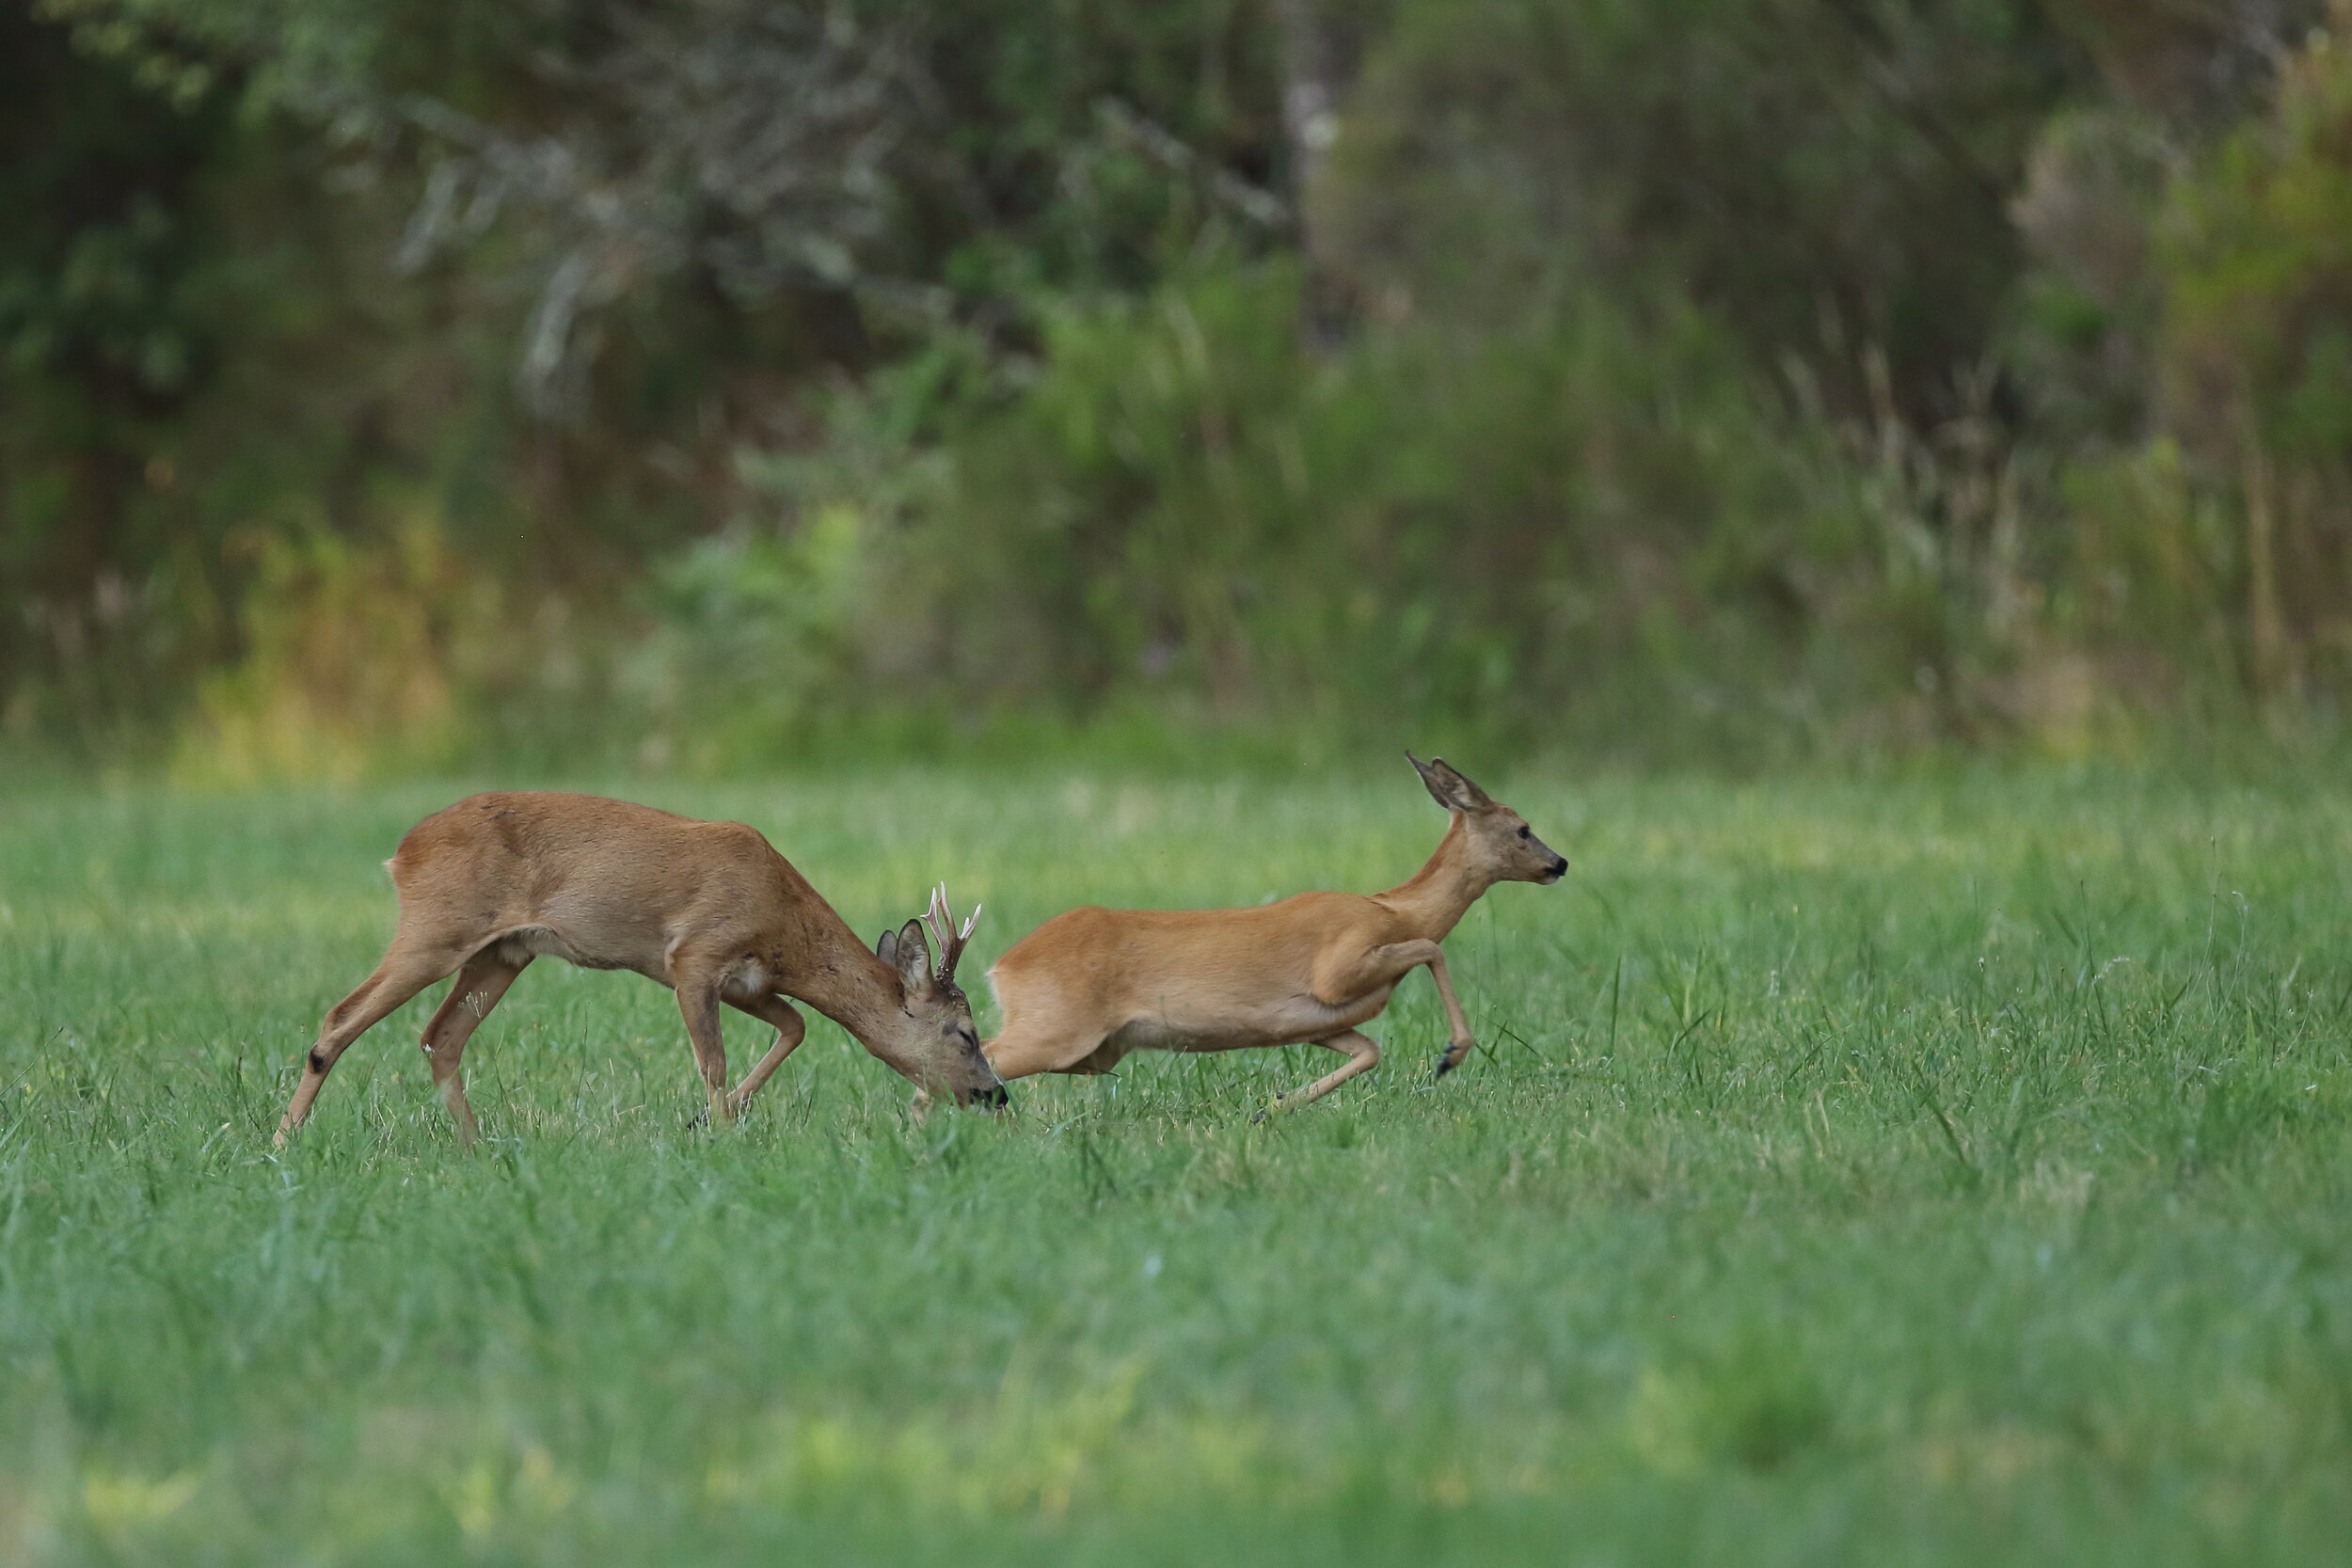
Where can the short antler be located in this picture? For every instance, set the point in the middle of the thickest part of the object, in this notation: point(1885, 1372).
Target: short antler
point(950, 941)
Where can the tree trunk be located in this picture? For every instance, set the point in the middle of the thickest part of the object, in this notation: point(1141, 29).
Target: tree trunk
point(1323, 48)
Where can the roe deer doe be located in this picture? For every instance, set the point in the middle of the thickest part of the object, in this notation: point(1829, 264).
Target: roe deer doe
point(1088, 986)
point(707, 909)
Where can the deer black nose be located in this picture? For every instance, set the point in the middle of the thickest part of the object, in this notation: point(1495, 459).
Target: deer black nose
point(1559, 870)
point(993, 1097)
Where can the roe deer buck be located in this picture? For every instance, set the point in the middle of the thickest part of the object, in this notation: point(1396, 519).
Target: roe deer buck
point(1090, 986)
point(708, 909)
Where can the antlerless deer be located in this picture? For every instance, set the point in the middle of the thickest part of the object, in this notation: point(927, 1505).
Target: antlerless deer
point(707, 909)
point(1092, 984)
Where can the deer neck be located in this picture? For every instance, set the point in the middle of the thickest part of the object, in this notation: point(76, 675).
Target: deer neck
point(842, 979)
point(1442, 890)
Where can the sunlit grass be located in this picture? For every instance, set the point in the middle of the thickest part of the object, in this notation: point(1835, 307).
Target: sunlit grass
point(1947, 1170)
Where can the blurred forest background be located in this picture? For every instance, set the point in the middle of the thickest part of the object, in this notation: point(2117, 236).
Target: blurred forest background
point(717, 384)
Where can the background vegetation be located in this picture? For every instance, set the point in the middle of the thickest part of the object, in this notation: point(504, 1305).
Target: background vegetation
point(705, 383)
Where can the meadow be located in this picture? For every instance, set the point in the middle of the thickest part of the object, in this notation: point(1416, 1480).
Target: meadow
point(1929, 1170)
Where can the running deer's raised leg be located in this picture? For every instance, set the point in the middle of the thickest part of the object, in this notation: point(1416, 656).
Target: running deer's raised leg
point(1374, 967)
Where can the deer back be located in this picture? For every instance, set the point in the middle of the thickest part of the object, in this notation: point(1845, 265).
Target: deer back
point(619, 883)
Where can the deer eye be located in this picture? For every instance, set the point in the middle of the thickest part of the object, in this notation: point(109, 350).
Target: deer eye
point(1526, 832)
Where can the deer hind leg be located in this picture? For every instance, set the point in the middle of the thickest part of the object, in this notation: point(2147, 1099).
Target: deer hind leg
point(790, 1030)
point(1097, 1061)
point(1362, 1054)
point(479, 985)
point(405, 972)
point(1022, 1052)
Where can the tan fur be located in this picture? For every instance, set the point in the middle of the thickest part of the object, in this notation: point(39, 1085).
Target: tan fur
point(707, 909)
point(1092, 984)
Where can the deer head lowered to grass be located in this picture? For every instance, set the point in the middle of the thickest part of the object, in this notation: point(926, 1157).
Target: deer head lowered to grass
point(1092, 984)
point(707, 909)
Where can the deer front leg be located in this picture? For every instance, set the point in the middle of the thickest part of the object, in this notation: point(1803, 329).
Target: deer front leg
point(1337, 984)
point(790, 1030)
point(698, 996)
point(1461, 1044)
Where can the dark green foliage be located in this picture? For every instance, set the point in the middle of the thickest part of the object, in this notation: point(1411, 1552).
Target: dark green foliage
point(1186, 510)
point(105, 253)
point(1830, 179)
point(1469, 527)
point(699, 379)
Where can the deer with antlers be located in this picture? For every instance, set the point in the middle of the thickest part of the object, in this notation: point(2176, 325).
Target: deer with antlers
point(1092, 984)
point(707, 909)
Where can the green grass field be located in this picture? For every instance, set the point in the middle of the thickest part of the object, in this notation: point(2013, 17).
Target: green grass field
point(1941, 1171)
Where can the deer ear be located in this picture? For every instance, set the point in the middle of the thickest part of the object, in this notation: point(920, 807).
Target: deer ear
point(1448, 788)
point(887, 949)
point(911, 956)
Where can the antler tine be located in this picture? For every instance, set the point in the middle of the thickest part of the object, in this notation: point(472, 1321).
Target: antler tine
point(936, 918)
point(941, 919)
